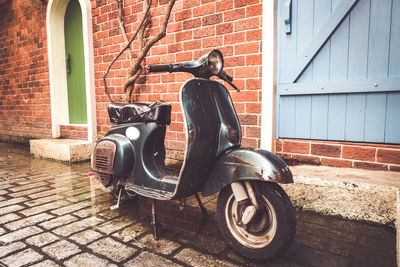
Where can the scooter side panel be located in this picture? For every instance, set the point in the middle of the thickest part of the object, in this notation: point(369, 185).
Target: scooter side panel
point(202, 123)
point(246, 164)
point(212, 128)
point(147, 167)
point(124, 155)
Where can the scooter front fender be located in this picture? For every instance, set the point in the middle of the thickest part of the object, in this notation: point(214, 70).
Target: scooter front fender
point(246, 164)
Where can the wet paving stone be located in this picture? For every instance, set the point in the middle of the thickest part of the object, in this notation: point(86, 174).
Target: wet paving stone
point(8, 218)
point(28, 221)
point(61, 249)
point(203, 241)
point(114, 225)
point(19, 234)
point(41, 239)
point(7, 249)
point(28, 192)
point(58, 221)
point(132, 232)
point(77, 226)
point(71, 208)
point(3, 192)
point(112, 249)
point(45, 207)
point(91, 211)
point(12, 201)
point(46, 263)
point(197, 259)
point(43, 200)
point(147, 259)
point(10, 209)
point(28, 186)
point(163, 246)
point(86, 237)
point(109, 214)
point(24, 257)
point(88, 260)
point(54, 214)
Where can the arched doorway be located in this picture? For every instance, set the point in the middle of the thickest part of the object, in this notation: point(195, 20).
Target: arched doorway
point(70, 52)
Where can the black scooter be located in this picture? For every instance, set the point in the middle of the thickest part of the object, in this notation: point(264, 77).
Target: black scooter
point(253, 212)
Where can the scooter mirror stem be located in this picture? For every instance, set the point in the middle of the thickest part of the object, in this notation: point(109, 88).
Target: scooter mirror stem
point(234, 86)
point(225, 77)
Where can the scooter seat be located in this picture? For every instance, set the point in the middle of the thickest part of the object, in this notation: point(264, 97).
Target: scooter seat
point(159, 112)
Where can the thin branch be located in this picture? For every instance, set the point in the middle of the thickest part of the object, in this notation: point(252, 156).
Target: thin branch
point(146, 23)
point(123, 50)
point(120, 4)
point(132, 80)
point(135, 69)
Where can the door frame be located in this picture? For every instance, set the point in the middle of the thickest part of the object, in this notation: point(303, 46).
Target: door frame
point(268, 103)
point(57, 68)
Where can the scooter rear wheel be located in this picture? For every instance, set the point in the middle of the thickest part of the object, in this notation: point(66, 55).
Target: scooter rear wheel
point(271, 230)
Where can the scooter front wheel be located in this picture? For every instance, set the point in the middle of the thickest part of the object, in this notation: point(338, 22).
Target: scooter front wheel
point(271, 230)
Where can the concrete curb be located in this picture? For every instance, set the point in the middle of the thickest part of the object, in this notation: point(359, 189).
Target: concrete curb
point(350, 200)
point(348, 196)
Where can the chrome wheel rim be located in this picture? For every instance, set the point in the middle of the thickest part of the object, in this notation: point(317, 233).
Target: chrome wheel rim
point(260, 231)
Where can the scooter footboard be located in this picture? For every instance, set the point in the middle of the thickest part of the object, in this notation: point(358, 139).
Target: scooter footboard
point(246, 164)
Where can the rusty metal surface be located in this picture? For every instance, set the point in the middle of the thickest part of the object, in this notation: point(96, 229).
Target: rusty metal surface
point(122, 161)
point(247, 164)
point(103, 157)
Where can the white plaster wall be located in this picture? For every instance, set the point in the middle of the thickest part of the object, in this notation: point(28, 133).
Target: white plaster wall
point(268, 75)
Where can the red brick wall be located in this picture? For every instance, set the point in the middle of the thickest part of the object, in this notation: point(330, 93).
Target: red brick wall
point(195, 27)
point(24, 83)
point(73, 132)
point(340, 154)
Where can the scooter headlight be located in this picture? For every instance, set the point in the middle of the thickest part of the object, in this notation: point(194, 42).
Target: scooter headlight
point(215, 62)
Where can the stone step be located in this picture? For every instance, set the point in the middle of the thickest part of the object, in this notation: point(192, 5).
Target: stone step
point(66, 150)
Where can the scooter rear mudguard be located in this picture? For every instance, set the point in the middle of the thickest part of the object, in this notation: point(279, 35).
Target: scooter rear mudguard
point(246, 164)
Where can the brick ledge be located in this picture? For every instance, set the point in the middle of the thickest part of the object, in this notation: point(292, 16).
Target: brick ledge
point(340, 154)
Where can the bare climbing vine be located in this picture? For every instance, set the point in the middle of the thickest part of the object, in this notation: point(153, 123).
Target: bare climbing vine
point(144, 46)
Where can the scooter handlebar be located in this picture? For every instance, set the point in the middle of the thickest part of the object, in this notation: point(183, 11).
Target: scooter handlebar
point(225, 76)
point(160, 68)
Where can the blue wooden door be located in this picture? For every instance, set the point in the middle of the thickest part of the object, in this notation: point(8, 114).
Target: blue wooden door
point(338, 70)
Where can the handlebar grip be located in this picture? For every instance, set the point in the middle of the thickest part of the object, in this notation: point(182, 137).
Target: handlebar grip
point(159, 68)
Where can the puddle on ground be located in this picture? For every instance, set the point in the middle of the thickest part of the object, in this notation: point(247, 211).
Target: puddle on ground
point(320, 240)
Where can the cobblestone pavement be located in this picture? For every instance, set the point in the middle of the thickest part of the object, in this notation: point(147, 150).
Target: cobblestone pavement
point(53, 214)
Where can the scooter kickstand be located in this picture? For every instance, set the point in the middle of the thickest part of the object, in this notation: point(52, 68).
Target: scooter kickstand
point(116, 206)
point(204, 213)
point(154, 218)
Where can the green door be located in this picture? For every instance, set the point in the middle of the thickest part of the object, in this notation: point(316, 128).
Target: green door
point(75, 63)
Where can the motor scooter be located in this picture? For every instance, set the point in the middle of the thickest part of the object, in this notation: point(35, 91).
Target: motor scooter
point(254, 213)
